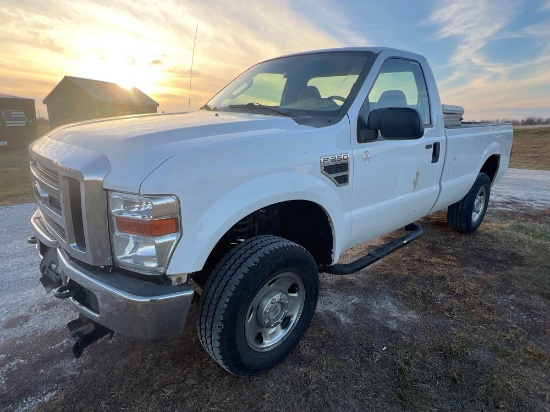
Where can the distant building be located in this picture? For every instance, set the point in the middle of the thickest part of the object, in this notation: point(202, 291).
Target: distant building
point(17, 122)
point(75, 99)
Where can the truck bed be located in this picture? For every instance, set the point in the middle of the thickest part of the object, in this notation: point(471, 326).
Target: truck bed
point(467, 125)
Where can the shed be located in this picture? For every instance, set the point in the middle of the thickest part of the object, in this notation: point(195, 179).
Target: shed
point(17, 122)
point(75, 99)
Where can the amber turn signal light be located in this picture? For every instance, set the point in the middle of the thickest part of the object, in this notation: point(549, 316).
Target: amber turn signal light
point(157, 227)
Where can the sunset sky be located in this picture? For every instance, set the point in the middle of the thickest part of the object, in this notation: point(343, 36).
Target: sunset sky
point(491, 56)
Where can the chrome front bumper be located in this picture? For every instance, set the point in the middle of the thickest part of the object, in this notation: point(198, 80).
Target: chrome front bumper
point(125, 304)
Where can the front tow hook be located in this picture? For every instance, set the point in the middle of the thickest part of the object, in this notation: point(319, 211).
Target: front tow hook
point(69, 290)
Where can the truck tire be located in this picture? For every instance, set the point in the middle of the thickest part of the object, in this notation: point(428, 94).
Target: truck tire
point(257, 304)
point(466, 215)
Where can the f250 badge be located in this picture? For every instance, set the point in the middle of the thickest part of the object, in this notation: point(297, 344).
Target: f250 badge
point(334, 159)
point(336, 168)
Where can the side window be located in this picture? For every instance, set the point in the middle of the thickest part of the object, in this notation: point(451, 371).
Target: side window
point(401, 83)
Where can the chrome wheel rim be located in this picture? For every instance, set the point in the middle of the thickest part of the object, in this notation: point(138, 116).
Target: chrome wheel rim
point(274, 311)
point(479, 204)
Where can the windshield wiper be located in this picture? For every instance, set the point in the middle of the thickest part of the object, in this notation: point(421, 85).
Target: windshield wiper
point(259, 106)
point(207, 107)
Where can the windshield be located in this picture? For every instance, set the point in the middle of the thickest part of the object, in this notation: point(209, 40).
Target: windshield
point(312, 84)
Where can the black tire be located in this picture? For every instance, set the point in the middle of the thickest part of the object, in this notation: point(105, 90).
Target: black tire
point(230, 308)
point(466, 215)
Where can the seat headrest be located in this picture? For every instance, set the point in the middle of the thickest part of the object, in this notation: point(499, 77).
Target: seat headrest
point(309, 92)
point(392, 98)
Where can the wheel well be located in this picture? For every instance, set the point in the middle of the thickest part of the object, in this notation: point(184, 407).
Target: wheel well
point(302, 222)
point(490, 167)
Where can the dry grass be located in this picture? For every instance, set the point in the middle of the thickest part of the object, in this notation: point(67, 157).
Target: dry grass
point(43, 129)
point(451, 322)
point(15, 177)
point(531, 149)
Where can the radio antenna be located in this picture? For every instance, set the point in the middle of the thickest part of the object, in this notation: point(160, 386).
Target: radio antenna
point(191, 75)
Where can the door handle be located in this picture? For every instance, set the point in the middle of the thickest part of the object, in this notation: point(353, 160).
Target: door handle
point(435, 152)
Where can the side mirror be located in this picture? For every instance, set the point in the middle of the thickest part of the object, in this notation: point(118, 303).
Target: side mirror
point(397, 123)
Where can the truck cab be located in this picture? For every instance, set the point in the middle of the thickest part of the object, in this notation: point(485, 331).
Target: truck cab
point(241, 205)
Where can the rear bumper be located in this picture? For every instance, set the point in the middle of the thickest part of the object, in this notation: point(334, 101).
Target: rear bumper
point(124, 304)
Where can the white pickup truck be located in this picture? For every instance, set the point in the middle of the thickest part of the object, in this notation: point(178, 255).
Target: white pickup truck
point(244, 202)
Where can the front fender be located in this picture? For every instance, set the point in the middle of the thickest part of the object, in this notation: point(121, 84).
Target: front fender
point(198, 241)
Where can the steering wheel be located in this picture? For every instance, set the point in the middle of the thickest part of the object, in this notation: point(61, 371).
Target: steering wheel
point(339, 98)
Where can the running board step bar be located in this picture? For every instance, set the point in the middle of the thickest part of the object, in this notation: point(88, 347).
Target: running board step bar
point(376, 254)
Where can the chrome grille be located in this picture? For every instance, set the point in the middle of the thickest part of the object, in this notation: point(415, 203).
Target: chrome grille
point(72, 202)
point(55, 204)
point(57, 228)
point(47, 175)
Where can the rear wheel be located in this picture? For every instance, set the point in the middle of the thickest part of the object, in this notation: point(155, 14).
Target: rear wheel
point(257, 304)
point(466, 215)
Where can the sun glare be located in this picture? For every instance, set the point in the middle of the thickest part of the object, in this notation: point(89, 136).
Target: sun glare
point(126, 85)
point(123, 59)
point(127, 72)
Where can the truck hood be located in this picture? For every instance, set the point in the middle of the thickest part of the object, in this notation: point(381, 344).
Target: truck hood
point(137, 145)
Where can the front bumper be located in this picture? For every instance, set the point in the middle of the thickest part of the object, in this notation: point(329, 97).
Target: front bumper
point(124, 304)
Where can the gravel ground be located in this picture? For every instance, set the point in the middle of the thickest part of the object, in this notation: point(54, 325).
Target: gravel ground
point(22, 296)
point(31, 320)
point(522, 189)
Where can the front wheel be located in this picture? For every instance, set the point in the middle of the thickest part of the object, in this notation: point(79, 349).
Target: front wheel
point(257, 304)
point(466, 215)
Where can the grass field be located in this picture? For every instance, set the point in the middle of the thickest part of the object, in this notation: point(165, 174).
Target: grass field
point(531, 151)
point(42, 129)
point(15, 177)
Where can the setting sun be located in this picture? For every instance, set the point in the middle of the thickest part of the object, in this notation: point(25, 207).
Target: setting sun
point(489, 58)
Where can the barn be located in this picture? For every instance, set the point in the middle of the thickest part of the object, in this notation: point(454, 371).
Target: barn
point(17, 122)
point(75, 99)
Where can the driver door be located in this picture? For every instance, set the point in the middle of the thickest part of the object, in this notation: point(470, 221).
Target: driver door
point(395, 181)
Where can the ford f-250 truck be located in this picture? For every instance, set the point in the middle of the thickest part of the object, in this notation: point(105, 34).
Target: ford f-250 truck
point(244, 202)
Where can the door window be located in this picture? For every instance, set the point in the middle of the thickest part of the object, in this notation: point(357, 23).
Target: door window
point(401, 83)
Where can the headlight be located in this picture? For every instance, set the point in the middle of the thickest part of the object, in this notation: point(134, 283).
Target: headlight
point(144, 231)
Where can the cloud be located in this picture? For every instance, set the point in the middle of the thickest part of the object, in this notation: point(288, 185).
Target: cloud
point(478, 80)
point(335, 20)
point(474, 23)
point(150, 46)
point(132, 41)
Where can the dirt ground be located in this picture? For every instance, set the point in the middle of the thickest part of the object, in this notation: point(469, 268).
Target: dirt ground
point(451, 322)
